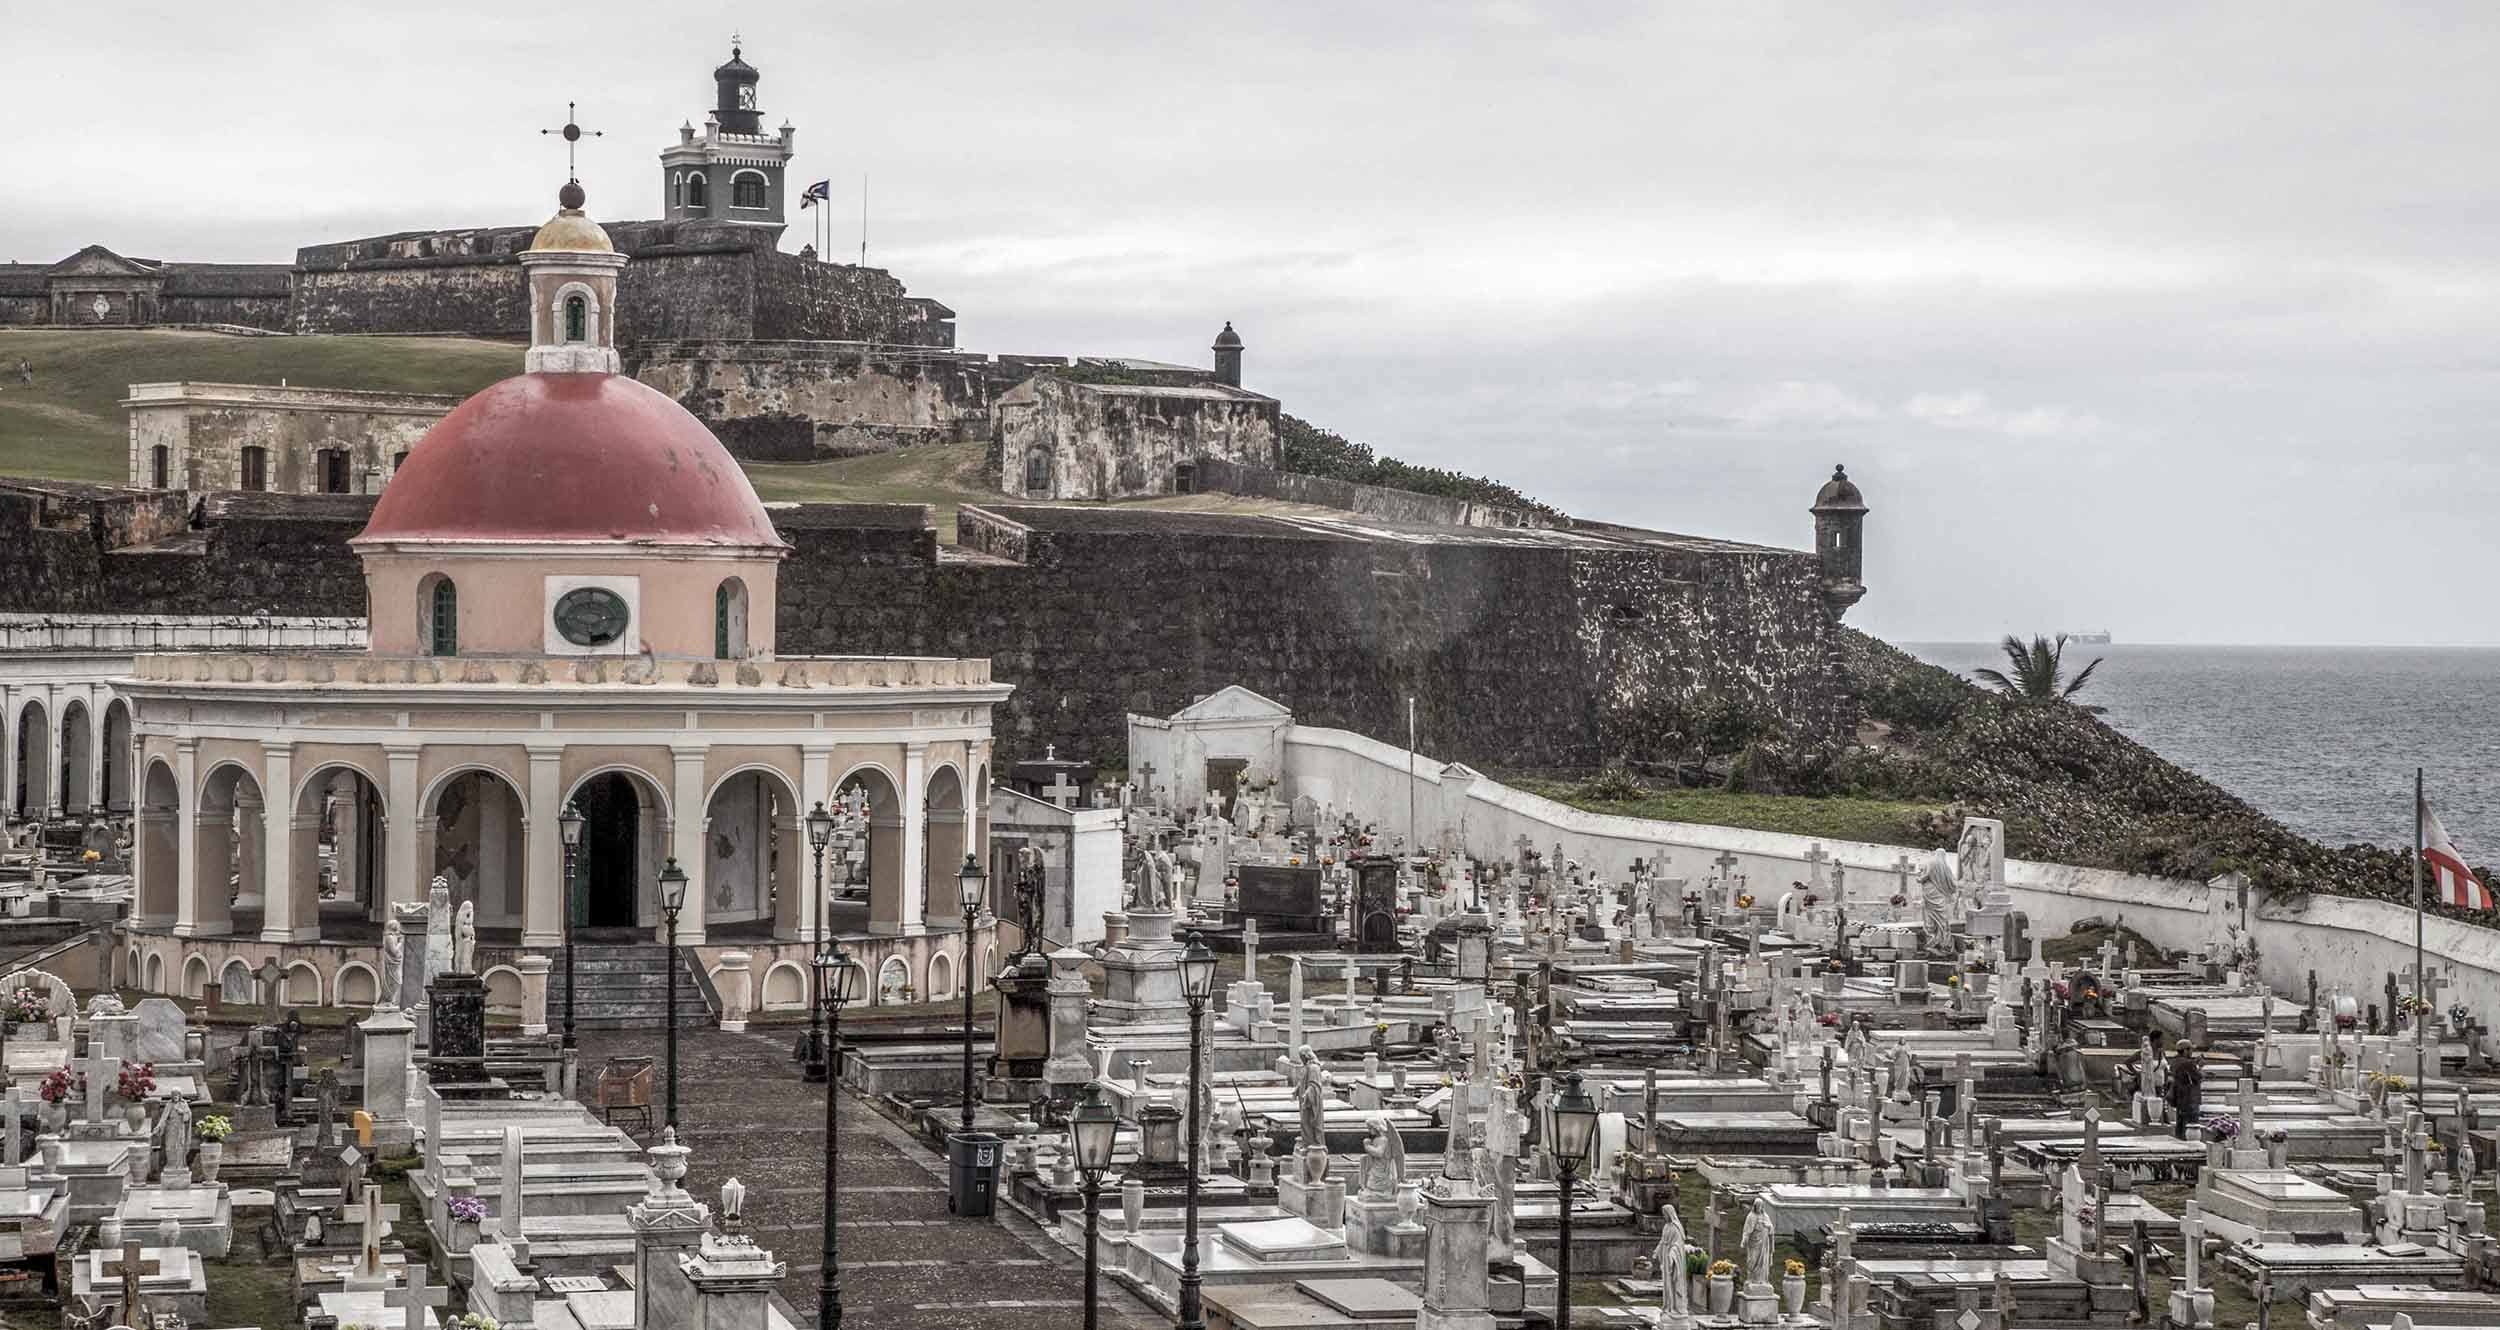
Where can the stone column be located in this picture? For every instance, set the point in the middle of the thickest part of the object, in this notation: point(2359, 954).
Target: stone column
point(301, 889)
point(1458, 1228)
point(914, 868)
point(730, 1281)
point(403, 875)
point(281, 901)
point(251, 850)
point(686, 842)
point(187, 842)
point(542, 895)
point(668, 1224)
point(53, 742)
point(388, 1035)
point(735, 983)
point(533, 968)
point(1067, 1068)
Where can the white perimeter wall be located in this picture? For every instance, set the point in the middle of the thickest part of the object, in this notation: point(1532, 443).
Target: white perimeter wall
point(2350, 943)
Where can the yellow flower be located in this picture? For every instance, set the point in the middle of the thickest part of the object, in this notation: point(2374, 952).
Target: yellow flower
point(1796, 1268)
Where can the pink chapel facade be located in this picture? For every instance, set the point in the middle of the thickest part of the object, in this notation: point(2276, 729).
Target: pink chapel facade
point(572, 591)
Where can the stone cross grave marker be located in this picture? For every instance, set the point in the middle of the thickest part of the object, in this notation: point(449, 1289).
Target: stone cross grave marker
point(15, 1107)
point(378, 1217)
point(131, 1268)
point(1060, 793)
point(416, 1297)
point(103, 1074)
point(271, 979)
point(1146, 775)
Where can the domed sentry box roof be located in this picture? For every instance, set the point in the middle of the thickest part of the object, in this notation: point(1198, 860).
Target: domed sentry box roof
point(1839, 494)
point(570, 458)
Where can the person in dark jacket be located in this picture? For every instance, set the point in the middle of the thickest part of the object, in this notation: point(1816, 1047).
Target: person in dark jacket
point(2187, 1088)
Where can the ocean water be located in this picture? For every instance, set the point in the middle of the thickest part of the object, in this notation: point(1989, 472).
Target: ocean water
point(2323, 738)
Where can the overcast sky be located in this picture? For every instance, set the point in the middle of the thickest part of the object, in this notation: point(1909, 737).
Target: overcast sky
point(2178, 320)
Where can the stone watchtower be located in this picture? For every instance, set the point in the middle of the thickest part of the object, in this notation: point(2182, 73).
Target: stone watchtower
point(732, 171)
point(1228, 356)
point(1839, 526)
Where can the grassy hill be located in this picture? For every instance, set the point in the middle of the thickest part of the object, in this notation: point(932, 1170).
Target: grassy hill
point(69, 425)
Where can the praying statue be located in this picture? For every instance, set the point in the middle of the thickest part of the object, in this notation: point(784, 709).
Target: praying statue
point(174, 1125)
point(464, 939)
point(1756, 1244)
point(1384, 1160)
point(1310, 1097)
point(394, 959)
point(1938, 892)
point(1675, 1287)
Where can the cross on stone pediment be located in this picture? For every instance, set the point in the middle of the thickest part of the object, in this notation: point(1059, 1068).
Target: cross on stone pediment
point(15, 1107)
point(102, 1073)
point(416, 1297)
point(130, 1267)
point(1060, 792)
point(377, 1219)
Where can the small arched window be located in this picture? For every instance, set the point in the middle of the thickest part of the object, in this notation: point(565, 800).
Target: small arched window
point(694, 190)
point(729, 621)
point(576, 319)
point(160, 465)
point(255, 467)
point(398, 460)
point(1036, 473)
point(441, 605)
point(746, 190)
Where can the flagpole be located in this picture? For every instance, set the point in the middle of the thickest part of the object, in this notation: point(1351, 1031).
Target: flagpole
point(2421, 1014)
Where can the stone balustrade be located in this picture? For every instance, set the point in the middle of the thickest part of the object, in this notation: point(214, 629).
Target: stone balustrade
point(782, 672)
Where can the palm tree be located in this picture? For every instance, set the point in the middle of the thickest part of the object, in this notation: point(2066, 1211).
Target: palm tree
point(2038, 671)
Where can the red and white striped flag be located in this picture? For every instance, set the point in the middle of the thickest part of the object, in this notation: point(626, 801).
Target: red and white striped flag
point(2456, 882)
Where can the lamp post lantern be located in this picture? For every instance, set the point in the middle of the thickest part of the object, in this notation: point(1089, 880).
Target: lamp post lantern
point(1575, 1131)
point(812, 1058)
point(969, 882)
point(838, 979)
point(570, 823)
point(1197, 965)
point(1091, 1131)
point(672, 899)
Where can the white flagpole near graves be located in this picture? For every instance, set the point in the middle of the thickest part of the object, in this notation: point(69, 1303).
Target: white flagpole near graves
point(1414, 833)
point(2421, 1015)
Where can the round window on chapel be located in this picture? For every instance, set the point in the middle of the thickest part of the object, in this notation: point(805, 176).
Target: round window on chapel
point(591, 616)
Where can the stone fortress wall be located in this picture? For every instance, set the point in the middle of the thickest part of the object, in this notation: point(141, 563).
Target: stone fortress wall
point(1522, 649)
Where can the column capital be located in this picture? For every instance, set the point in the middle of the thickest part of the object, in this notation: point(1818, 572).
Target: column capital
point(270, 748)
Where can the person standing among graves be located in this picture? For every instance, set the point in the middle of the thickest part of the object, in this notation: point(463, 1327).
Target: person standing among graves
point(2187, 1088)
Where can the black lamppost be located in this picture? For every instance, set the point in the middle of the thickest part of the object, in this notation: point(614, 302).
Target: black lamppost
point(969, 881)
point(672, 899)
point(1197, 982)
point(1091, 1131)
point(1575, 1130)
point(838, 980)
point(570, 822)
point(819, 835)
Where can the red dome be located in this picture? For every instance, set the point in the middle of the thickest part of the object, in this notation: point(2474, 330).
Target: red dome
point(570, 457)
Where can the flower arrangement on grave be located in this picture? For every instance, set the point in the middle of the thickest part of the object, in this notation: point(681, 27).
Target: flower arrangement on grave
point(1294, 862)
point(1812, 900)
point(1723, 1269)
point(2222, 1127)
point(2387, 1082)
point(473, 1321)
point(2090, 993)
point(137, 1082)
point(1980, 967)
point(214, 1127)
point(1953, 981)
point(466, 1209)
point(1696, 1261)
point(92, 857)
point(1744, 901)
point(1831, 1018)
point(1795, 1268)
point(61, 1086)
point(26, 1005)
point(1899, 900)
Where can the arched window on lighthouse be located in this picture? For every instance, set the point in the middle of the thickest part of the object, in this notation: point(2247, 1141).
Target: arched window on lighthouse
point(729, 620)
point(694, 189)
point(576, 319)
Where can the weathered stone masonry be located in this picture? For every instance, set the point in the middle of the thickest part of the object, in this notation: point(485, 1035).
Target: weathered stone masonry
point(1521, 650)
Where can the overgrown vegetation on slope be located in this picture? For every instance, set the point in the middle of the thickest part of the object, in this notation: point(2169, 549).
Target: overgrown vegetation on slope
point(1313, 451)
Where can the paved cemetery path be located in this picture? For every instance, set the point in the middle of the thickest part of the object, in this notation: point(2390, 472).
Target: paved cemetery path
point(906, 1262)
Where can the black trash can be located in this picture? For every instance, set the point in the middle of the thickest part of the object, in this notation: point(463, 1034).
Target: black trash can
point(972, 1159)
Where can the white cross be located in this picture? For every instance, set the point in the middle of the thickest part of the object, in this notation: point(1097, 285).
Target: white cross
point(416, 1297)
point(15, 1107)
point(2192, 1236)
point(377, 1217)
point(1059, 791)
point(103, 1074)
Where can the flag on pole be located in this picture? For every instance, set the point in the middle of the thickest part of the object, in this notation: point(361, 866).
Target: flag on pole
point(820, 192)
point(2456, 882)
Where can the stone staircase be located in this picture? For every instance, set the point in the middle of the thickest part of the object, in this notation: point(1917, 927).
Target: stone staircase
point(625, 986)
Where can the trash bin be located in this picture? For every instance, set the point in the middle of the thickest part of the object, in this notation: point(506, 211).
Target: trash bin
point(972, 1159)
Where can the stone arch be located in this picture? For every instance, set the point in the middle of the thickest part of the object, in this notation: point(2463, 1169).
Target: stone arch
point(157, 847)
point(941, 982)
point(355, 985)
point(987, 975)
point(880, 797)
point(113, 776)
point(893, 984)
point(302, 985)
point(438, 614)
point(339, 839)
point(944, 815)
point(33, 796)
point(698, 191)
point(234, 981)
point(979, 798)
point(475, 819)
point(196, 976)
point(624, 840)
point(156, 974)
point(784, 987)
point(227, 853)
point(750, 190)
point(729, 619)
point(754, 855)
point(78, 793)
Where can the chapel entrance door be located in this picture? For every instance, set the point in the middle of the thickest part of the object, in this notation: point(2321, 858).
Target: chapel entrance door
point(1224, 782)
point(611, 853)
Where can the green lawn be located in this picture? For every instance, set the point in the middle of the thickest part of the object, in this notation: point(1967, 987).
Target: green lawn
point(69, 424)
point(1879, 820)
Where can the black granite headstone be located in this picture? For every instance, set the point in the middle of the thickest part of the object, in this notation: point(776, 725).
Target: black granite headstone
point(1283, 898)
point(1375, 905)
